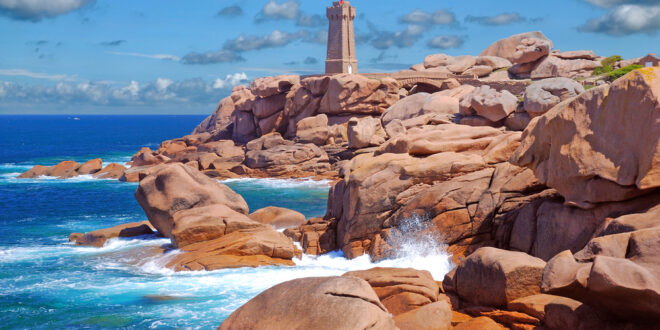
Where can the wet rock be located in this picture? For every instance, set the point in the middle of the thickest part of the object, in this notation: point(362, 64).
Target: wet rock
point(111, 171)
point(98, 238)
point(316, 236)
point(206, 223)
point(64, 170)
point(91, 166)
point(147, 157)
point(35, 172)
point(234, 250)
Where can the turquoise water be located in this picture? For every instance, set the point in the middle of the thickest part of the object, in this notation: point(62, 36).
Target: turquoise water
point(47, 283)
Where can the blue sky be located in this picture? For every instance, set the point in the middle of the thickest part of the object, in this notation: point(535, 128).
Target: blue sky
point(174, 56)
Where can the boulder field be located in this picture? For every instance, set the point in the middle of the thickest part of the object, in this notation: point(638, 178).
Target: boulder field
point(545, 193)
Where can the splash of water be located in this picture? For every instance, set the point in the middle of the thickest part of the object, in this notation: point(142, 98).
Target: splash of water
point(414, 243)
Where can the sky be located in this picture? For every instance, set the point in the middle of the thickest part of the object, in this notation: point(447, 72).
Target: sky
point(182, 57)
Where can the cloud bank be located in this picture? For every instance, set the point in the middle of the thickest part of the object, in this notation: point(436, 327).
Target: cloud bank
point(36, 10)
point(158, 92)
point(625, 20)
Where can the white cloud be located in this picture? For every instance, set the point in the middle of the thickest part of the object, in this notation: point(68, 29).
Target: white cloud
point(152, 56)
point(36, 75)
point(611, 3)
point(625, 20)
point(163, 83)
point(501, 19)
point(274, 39)
point(418, 16)
point(36, 10)
point(444, 17)
point(230, 81)
point(446, 42)
point(402, 39)
point(274, 10)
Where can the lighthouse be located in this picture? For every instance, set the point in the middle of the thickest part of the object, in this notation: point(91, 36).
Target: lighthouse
point(341, 39)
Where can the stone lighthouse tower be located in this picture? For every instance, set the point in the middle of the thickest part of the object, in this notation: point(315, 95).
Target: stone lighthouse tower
point(341, 39)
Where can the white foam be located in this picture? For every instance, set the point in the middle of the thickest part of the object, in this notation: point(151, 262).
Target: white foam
point(281, 183)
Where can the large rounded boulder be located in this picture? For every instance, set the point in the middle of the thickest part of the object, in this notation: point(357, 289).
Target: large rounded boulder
point(542, 95)
point(494, 277)
point(508, 47)
point(313, 303)
point(177, 187)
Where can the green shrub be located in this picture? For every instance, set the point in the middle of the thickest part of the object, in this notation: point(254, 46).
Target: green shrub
point(618, 73)
point(611, 60)
point(608, 65)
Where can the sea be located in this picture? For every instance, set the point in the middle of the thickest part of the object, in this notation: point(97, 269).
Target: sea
point(48, 283)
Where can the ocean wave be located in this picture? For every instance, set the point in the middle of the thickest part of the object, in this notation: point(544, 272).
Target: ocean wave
point(14, 166)
point(13, 178)
point(280, 183)
point(20, 254)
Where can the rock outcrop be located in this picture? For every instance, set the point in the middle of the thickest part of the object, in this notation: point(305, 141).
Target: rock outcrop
point(381, 191)
point(90, 167)
point(69, 169)
point(98, 238)
point(576, 146)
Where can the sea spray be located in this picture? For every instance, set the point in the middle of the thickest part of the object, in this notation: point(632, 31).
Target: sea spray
point(414, 243)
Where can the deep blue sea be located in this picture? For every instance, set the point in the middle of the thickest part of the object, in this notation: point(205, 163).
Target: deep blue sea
point(47, 283)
